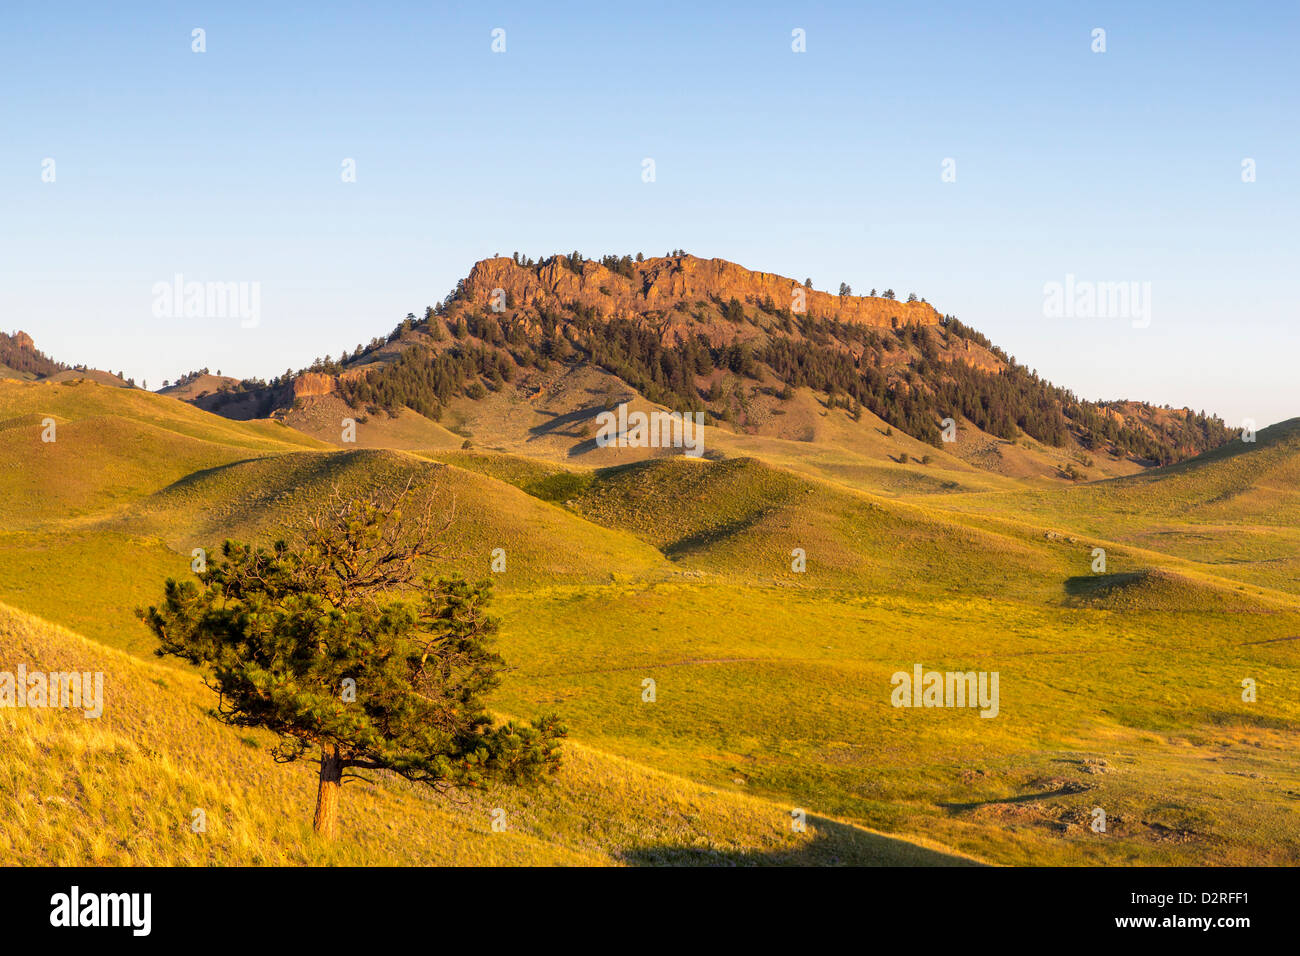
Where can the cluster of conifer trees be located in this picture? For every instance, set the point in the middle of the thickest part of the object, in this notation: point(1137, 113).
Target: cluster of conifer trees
point(26, 359)
point(425, 381)
point(903, 375)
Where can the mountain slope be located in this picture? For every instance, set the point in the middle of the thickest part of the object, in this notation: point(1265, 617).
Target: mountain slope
point(1234, 510)
point(19, 358)
point(108, 445)
point(1121, 689)
point(709, 336)
point(123, 790)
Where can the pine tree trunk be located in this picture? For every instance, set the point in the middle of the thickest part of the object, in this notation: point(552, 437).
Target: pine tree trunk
point(327, 797)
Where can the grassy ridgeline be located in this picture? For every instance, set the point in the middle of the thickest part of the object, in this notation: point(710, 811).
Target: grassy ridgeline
point(1120, 690)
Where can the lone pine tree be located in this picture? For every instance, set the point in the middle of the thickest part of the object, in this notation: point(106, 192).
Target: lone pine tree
point(334, 646)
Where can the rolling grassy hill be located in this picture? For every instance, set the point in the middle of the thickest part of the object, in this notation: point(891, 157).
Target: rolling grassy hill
point(1234, 510)
point(254, 500)
point(110, 446)
point(743, 518)
point(98, 518)
point(122, 790)
point(1119, 690)
point(786, 695)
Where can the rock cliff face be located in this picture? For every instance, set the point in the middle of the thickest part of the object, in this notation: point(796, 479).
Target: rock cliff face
point(660, 284)
point(313, 383)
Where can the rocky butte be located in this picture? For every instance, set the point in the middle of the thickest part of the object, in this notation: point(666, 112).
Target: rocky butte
point(660, 284)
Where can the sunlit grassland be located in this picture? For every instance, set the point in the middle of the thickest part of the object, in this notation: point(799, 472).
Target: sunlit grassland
point(122, 790)
point(108, 450)
point(1234, 510)
point(1120, 691)
point(81, 400)
point(789, 694)
point(262, 499)
point(90, 572)
point(88, 581)
point(742, 518)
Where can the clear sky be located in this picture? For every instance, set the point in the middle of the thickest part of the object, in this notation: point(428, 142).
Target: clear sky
point(225, 166)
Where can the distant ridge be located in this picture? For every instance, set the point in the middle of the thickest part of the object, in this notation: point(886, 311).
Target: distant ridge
point(20, 359)
point(707, 336)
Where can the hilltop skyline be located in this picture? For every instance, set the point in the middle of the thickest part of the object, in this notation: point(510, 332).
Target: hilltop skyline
point(228, 166)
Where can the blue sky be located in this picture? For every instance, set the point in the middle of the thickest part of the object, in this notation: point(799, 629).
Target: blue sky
point(1122, 166)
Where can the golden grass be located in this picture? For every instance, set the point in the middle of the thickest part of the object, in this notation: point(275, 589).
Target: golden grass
point(122, 790)
point(1120, 690)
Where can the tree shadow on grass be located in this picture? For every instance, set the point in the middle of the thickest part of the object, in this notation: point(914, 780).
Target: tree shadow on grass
point(702, 540)
point(1095, 585)
point(1062, 791)
point(559, 422)
point(828, 843)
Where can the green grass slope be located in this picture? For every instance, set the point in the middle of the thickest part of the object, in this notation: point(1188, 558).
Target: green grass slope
point(1120, 689)
point(91, 570)
point(122, 790)
point(1235, 511)
point(110, 446)
point(787, 695)
point(257, 498)
point(1238, 483)
point(78, 399)
point(743, 518)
